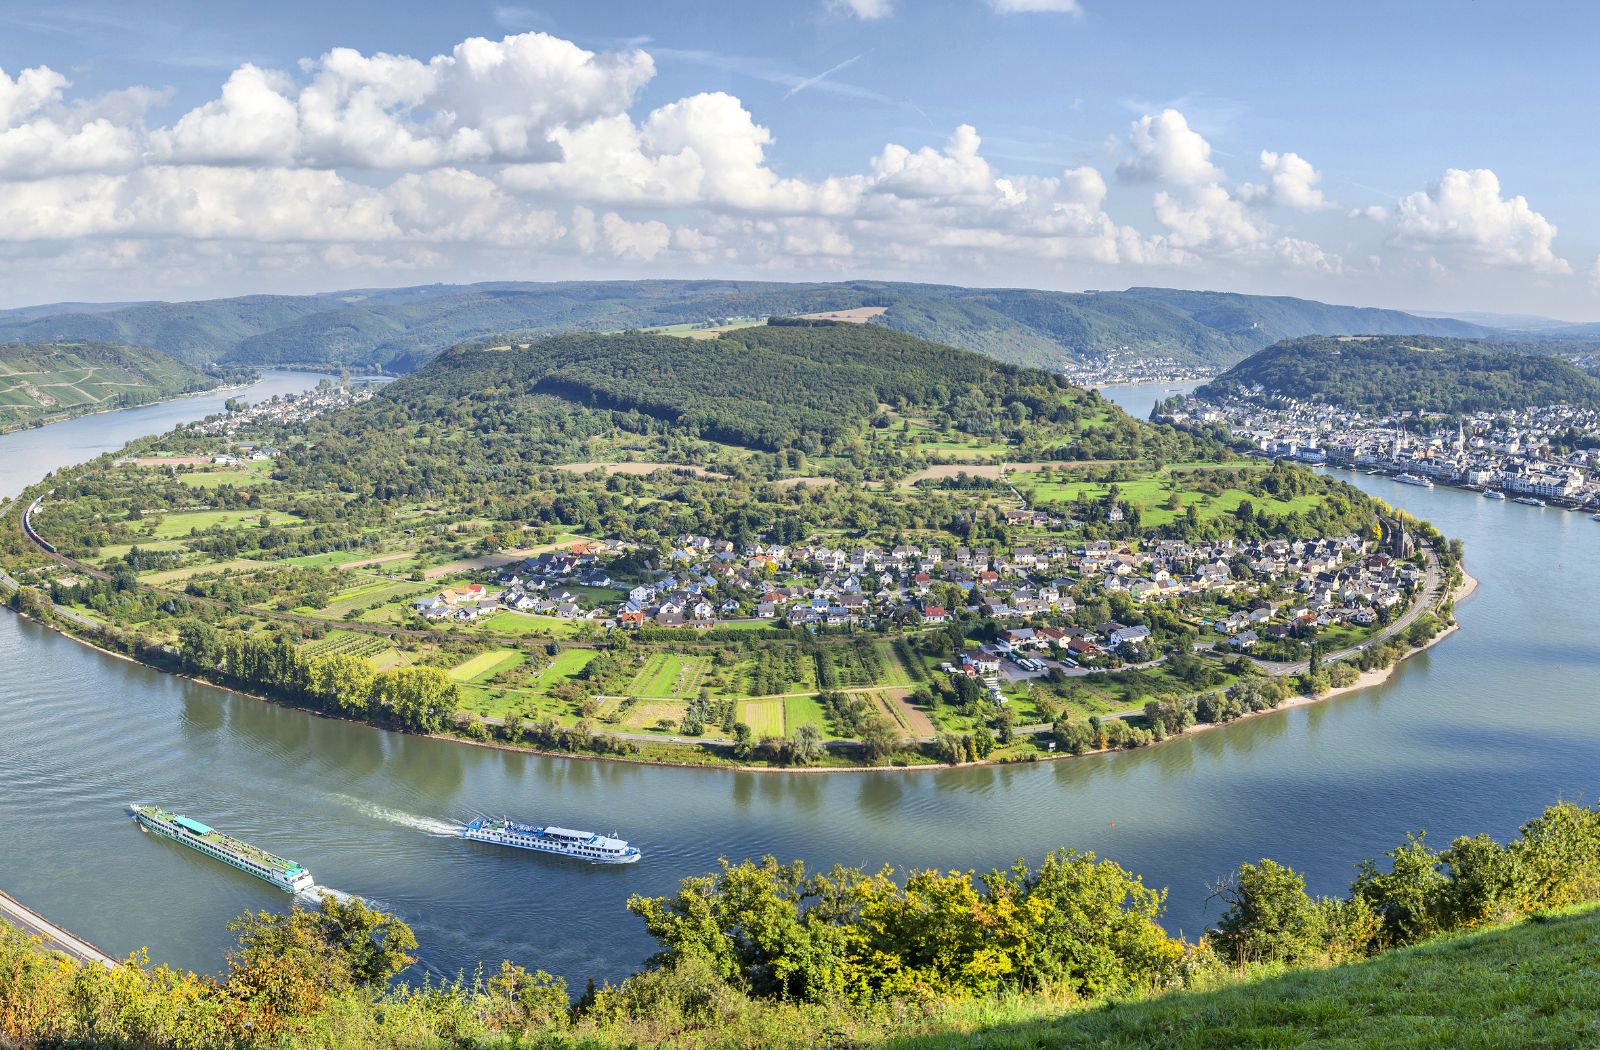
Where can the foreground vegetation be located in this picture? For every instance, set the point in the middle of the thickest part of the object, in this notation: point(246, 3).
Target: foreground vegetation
point(1066, 954)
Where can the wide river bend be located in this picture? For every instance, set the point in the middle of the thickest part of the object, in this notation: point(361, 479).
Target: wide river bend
point(1475, 735)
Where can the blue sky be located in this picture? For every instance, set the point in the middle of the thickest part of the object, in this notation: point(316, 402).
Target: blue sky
point(1425, 155)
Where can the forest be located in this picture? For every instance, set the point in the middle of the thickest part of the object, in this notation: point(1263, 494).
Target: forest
point(1392, 375)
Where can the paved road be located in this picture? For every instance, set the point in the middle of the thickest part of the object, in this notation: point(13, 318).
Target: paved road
point(54, 937)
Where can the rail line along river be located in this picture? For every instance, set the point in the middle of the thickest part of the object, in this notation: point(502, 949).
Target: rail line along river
point(1477, 734)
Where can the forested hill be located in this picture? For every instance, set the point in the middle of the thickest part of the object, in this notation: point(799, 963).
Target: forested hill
point(43, 381)
point(397, 329)
point(787, 385)
point(1393, 374)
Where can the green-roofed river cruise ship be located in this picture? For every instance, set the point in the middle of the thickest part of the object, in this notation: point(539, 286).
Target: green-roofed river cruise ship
point(268, 867)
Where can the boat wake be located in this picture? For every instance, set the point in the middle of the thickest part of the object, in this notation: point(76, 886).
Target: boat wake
point(426, 825)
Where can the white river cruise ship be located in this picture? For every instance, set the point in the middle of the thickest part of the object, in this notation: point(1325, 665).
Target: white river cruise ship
point(584, 845)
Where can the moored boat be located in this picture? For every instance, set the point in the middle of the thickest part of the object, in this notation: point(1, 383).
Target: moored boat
point(1413, 479)
point(1493, 494)
point(203, 838)
point(584, 845)
point(1528, 501)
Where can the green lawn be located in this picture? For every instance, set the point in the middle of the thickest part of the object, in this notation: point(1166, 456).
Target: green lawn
point(804, 711)
point(175, 526)
point(764, 717)
point(894, 673)
point(485, 666)
point(1153, 494)
point(515, 625)
point(210, 479)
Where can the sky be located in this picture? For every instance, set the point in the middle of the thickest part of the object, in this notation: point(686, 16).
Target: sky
point(1426, 155)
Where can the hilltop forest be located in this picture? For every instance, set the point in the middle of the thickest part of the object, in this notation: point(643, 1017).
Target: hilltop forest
point(1388, 375)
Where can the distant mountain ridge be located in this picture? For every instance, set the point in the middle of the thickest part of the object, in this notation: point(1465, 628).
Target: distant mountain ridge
point(1384, 375)
point(397, 329)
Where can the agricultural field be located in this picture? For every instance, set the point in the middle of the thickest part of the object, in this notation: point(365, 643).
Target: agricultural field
point(485, 666)
point(516, 624)
point(347, 643)
point(1161, 498)
point(804, 711)
point(176, 526)
point(764, 717)
point(671, 675)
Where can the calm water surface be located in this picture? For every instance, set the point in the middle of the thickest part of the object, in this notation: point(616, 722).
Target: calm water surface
point(1477, 734)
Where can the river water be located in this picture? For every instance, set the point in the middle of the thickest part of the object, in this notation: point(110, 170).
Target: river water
point(1476, 735)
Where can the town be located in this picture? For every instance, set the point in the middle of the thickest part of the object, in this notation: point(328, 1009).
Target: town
point(1266, 596)
point(1536, 455)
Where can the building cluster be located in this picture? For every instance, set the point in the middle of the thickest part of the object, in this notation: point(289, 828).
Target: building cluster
point(1243, 590)
point(287, 408)
point(1126, 366)
point(1520, 452)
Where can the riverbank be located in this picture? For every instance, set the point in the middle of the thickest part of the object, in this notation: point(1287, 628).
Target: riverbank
point(1366, 680)
point(55, 938)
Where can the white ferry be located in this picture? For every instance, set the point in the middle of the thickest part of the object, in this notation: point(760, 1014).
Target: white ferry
point(1493, 494)
point(1528, 501)
point(202, 838)
point(585, 845)
point(1413, 479)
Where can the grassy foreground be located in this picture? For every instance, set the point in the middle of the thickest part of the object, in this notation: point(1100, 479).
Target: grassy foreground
point(1534, 983)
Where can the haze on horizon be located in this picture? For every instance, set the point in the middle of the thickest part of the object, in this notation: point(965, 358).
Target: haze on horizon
point(1424, 158)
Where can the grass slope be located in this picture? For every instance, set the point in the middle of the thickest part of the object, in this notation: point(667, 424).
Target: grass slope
point(1532, 984)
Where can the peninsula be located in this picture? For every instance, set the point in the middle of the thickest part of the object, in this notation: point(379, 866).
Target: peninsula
point(855, 548)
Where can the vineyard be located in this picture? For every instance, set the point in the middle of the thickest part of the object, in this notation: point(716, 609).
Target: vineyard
point(346, 643)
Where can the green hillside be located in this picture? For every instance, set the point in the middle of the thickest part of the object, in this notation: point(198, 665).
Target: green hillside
point(397, 329)
point(1530, 984)
point(1393, 374)
point(44, 381)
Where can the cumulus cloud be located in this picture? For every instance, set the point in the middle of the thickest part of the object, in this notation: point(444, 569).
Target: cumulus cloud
point(486, 101)
point(1291, 182)
point(1463, 216)
point(1010, 7)
point(1165, 149)
point(41, 135)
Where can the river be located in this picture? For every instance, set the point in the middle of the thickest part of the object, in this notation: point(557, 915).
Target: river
point(1477, 734)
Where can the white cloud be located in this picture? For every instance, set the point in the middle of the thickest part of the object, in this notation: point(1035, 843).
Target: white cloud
point(1011, 7)
point(867, 10)
point(1165, 149)
point(1463, 217)
point(1209, 219)
point(486, 101)
point(1291, 182)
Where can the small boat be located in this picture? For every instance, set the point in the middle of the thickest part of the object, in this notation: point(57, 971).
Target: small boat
point(1528, 501)
point(584, 845)
point(1596, 517)
point(1413, 479)
point(1493, 494)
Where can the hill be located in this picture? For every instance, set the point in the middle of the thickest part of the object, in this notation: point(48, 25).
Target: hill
point(397, 329)
point(43, 381)
point(1395, 374)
